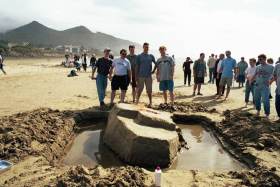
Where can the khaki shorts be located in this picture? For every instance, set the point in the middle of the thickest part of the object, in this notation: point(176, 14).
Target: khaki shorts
point(148, 83)
point(226, 81)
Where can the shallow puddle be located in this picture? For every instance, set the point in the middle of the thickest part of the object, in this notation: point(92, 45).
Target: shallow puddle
point(205, 152)
point(89, 150)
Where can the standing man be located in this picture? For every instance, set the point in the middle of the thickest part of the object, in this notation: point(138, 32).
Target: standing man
point(211, 65)
point(276, 77)
point(92, 60)
point(165, 73)
point(84, 62)
point(132, 59)
point(218, 74)
point(2, 63)
point(103, 66)
point(187, 71)
point(263, 76)
point(228, 66)
point(241, 68)
point(278, 62)
point(122, 74)
point(144, 73)
point(199, 72)
point(250, 83)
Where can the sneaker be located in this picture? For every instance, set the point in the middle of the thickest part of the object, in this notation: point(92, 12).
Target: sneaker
point(193, 94)
point(199, 93)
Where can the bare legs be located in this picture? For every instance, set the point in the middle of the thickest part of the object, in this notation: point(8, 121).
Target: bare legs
point(113, 95)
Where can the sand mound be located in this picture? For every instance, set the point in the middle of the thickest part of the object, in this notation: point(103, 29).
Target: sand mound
point(123, 176)
point(183, 107)
point(43, 132)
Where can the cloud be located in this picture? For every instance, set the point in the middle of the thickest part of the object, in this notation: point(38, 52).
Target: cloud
point(186, 27)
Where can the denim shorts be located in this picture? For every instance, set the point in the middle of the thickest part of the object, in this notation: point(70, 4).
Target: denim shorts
point(166, 85)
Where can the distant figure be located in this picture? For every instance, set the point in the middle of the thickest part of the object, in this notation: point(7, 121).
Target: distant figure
point(241, 68)
point(211, 66)
point(132, 58)
point(276, 77)
point(144, 71)
point(278, 62)
point(228, 67)
point(250, 83)
point(122, 75)
point(2, 63)
point(165, 74)
point(92, 60)
point(271, 62)
point(199, 72)
point(76, 62)
point(84, 62)
point(103, 66)
point(263, 76)
point(187, 71)
point(218, 74)
point(111, 56)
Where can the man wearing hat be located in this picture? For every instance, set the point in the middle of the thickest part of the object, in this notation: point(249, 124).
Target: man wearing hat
point(103, 66)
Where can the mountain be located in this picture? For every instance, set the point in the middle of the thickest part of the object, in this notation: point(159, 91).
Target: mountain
point(40, 35)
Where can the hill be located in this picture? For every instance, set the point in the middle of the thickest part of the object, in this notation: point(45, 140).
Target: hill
point(40, 35)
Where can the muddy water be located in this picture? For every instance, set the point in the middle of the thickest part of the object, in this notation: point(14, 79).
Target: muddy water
point(89, 150)
point(205, 152)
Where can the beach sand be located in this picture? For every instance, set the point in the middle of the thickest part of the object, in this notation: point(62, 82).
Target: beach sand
point(35, 83)
point(41, 83)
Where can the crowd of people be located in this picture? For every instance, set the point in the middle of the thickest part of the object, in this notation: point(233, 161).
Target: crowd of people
point(257, 76)
point(134, 70)
point(137, 70)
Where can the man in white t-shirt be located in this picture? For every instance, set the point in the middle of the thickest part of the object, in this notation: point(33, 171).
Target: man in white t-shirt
point(122, 76)
point(1, 64)
point(250, 83)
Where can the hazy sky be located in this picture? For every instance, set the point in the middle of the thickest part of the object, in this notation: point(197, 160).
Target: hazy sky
point(186, 27)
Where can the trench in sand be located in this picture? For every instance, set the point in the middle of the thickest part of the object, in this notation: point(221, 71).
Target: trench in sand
point(205, 153)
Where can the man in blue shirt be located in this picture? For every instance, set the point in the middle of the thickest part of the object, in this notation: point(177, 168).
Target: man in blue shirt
point(144, 63)
point(263, 76)
point(228, 66)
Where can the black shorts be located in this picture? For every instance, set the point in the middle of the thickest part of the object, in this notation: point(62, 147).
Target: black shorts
point(199, 80)
point(119, 82)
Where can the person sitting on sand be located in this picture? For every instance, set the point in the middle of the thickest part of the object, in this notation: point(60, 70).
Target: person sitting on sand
point(122, 75)
point(165, 73)
point(228, 66)
point(263, 76)
point(2, 63)
point(76, 62)
point(103, 66)
point(276, 77)
point(132, 59)
point(218, 74)
point(250, 83)
point(199, 73)
point(241, 68)
point(144, 63)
